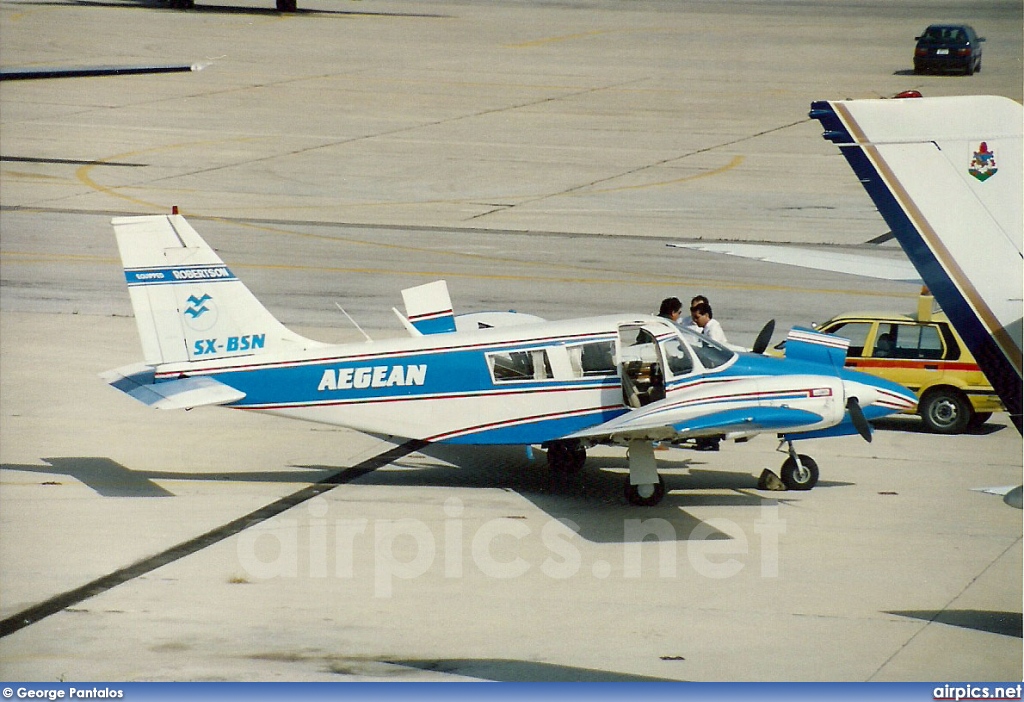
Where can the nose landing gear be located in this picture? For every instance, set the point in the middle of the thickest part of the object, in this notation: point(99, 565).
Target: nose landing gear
point(799, 472)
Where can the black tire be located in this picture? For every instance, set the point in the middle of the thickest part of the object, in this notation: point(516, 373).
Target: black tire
point(634, 498)
point(945, 411)
point(795, 479)
point(566, 457)
point(287, 5)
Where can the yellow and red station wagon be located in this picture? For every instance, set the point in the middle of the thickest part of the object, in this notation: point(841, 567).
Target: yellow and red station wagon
point(922, 352)
point(925, 354)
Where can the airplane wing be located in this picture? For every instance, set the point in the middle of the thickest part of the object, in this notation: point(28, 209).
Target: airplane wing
point(660, 421)
point(185, 393)
point(819, 259)
point(946, 175)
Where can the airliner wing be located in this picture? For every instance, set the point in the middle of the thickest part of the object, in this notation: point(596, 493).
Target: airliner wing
point(946, 175)
point(819, 259)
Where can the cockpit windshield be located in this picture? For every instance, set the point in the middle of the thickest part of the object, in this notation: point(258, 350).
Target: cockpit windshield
point(711, 353)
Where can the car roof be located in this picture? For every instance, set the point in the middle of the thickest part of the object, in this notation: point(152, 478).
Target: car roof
point(885, 316)
point(944, 25)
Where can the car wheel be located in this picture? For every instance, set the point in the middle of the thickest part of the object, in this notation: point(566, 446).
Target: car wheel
point(945, 411)
point(969, 69)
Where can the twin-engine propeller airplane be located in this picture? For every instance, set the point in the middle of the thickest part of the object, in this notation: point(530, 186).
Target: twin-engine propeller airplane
point(628, 380)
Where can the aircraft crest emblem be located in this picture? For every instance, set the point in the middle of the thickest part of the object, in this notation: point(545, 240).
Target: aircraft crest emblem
point(983, 165)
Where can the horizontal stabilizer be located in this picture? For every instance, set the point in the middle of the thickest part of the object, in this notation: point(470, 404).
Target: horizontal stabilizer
point(815, 347)
point(139, 382)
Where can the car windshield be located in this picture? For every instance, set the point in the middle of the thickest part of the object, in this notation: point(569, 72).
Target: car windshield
point(711, 353)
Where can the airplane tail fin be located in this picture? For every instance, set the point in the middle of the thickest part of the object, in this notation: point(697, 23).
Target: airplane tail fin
point(188, 304)
point(945, 174)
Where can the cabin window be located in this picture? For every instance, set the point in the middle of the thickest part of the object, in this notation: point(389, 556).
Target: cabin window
point(507, 366)
point(677, 358)
point(710, 353)
point(592, 359)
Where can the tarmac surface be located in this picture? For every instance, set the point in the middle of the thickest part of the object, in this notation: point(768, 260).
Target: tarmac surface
point(538, 156)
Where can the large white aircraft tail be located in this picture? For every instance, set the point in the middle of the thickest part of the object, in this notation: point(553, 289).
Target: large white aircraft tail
point(946, 174)
point(188, 305)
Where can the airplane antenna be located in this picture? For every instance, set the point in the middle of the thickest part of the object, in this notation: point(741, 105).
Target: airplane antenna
point(354, 323)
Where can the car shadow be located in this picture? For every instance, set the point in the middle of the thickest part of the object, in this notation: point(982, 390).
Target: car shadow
point(913, 425)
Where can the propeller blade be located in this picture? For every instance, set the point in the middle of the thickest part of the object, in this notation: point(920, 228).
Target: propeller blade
point(764, 337)
point(858, 418)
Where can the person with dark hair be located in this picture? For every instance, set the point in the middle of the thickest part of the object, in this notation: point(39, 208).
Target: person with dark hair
point(704, 318)
point(703, 322)
point(671, 309)
point(690, 324)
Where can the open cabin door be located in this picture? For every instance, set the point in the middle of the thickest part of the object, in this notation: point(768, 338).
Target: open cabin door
point(641, 366)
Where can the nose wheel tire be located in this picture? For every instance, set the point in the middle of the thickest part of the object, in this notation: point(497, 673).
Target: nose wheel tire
point(647, 494)
point(800, 477)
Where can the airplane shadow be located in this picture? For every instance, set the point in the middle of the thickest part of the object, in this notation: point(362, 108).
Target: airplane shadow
point(592, 499)
point(1004, 623)
point(504, 670)
point(111, 479)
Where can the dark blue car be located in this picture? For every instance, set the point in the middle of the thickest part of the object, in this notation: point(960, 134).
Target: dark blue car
point(948, 47)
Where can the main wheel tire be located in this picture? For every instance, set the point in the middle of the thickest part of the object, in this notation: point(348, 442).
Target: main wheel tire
point(635, 497)
point(945, 411)
point(566, 457)
point(796, 478)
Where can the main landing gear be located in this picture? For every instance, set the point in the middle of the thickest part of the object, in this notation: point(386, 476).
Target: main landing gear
point(645, 487)
point(566, 457)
